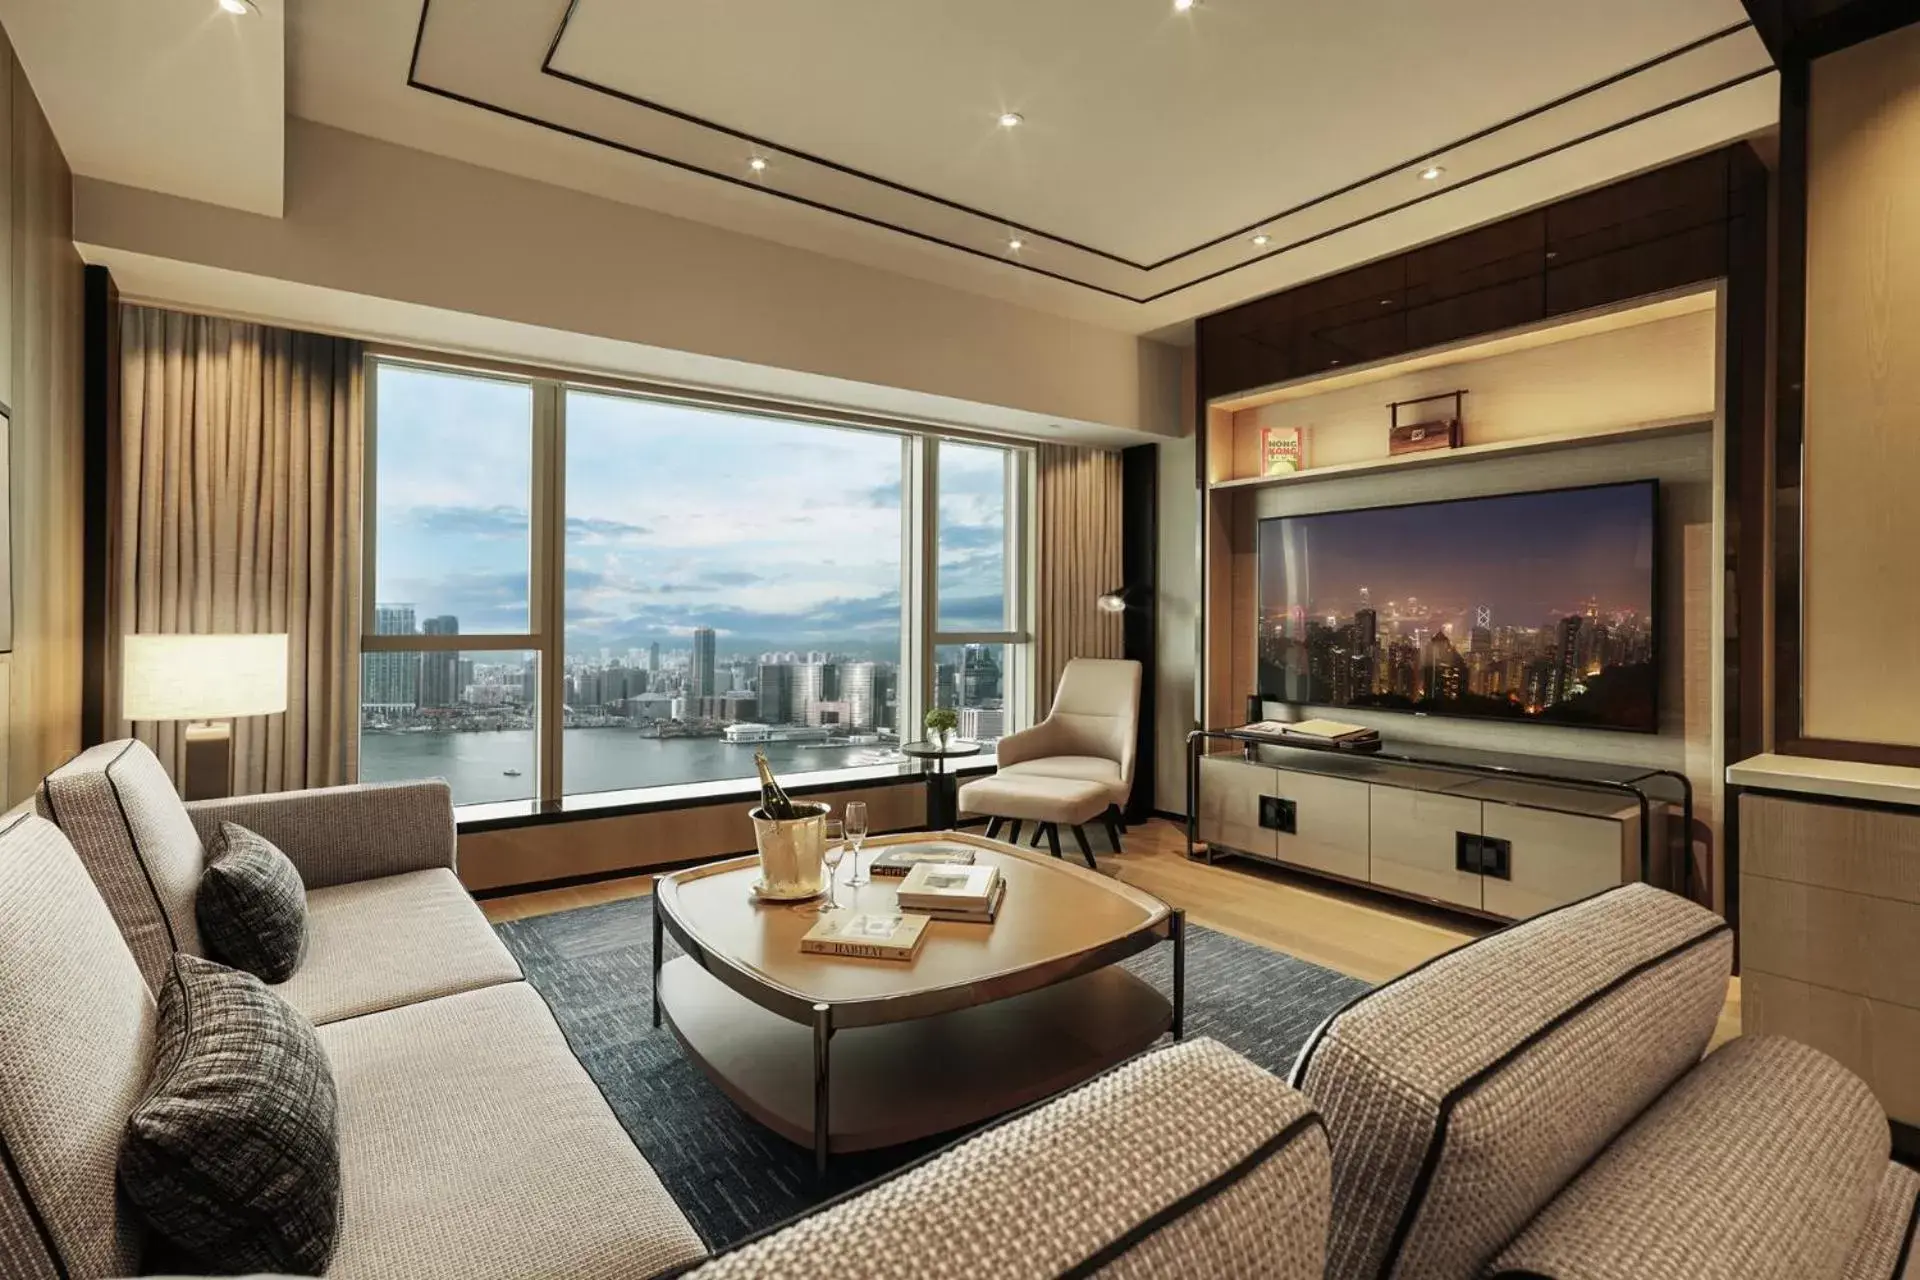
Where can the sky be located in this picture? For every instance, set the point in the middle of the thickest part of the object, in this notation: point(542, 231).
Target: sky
point(778, 535)
point(1530, 556)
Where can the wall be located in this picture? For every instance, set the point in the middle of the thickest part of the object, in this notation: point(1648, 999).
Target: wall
point(1177, 608)
point(40, 319)
point(601, 846)
point(388, 222)
point(1860, 613)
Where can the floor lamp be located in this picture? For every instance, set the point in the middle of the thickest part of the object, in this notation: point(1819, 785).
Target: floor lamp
point(206, 680)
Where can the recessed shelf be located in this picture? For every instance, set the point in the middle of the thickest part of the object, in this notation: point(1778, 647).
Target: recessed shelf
point(1473, 452)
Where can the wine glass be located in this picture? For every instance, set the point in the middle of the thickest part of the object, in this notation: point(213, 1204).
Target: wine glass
point(836, 848)
point(856, 826)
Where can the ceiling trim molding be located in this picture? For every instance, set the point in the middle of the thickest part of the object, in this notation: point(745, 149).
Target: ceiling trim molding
point(414, 81)
point(1412, 163)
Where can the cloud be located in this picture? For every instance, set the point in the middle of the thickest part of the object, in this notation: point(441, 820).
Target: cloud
point(971, 537)
point(469, 522)
point(597, 529)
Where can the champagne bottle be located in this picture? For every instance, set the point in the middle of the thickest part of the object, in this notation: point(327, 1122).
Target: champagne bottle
point(774, 801)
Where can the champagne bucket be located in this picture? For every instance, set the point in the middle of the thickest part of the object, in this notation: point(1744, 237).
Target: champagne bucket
point(792, 862)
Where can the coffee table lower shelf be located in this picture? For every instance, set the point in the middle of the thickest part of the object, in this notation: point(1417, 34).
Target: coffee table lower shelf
point(900, 1081)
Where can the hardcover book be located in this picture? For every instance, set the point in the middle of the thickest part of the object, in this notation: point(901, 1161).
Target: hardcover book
point(867, 934)
point(899, 860)
point(969, 915)
point(1283, 450)
point(949, 888)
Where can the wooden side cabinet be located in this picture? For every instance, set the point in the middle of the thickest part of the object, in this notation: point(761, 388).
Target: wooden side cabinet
point(1830, 936)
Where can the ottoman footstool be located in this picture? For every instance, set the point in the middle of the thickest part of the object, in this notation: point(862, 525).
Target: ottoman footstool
point(1049, 802)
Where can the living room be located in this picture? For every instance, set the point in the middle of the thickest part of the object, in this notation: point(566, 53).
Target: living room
point(746, 640)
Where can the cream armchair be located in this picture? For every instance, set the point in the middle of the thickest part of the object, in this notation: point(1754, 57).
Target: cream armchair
point(1090, 734)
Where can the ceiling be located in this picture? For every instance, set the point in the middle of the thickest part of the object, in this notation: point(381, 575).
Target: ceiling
point(1154, 144)
point(171, 95)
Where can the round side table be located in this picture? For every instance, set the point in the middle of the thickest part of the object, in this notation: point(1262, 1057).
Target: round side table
point(943, 802)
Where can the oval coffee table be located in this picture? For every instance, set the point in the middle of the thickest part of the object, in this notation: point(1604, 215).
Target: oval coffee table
point(845, 1054)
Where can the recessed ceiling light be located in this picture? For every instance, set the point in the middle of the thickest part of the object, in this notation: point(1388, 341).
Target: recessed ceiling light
point(1262, 240)
point(1015, 244)
point(239, 8)
point(1181, 6)
point(758, 164)
point(1432, 173)
point(1008, 119)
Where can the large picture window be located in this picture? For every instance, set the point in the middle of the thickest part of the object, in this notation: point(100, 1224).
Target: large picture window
point(579, 589)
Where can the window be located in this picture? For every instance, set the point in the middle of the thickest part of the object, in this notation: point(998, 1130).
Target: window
point(579, 589)
point(732, 585)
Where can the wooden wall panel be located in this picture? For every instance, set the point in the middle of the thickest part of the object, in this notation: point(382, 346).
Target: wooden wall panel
point(602, 846)
point(43, 303)
point(1830, 936)
point(1862, 406)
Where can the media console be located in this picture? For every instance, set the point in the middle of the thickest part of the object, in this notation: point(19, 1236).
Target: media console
point(1499, 836)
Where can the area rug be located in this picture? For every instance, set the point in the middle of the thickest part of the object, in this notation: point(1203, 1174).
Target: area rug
point(733, 1177)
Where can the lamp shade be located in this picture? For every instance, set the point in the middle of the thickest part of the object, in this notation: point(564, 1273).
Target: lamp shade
point(215, 677)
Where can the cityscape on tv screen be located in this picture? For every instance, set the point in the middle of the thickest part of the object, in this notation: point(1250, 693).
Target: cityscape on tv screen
point(1527, 607)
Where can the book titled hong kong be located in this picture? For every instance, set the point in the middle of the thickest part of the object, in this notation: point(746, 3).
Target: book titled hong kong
point(867, 934)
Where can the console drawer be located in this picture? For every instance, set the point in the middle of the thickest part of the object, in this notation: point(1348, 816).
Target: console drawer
point(1230, 793)
point(1415, 844)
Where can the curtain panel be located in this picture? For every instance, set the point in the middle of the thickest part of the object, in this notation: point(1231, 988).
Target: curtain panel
point(1077, 554)
point(239, 510)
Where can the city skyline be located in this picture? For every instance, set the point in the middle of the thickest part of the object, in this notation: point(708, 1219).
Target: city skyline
point(1523, 606)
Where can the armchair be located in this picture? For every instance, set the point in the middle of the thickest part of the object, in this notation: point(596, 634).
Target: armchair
point(1088, 736)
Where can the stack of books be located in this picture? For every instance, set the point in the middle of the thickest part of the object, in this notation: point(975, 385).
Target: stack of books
point(1315, 733)
point(900, 859)
point(951, 892)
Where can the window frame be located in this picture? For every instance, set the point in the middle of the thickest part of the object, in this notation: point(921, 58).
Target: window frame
point(921, 637)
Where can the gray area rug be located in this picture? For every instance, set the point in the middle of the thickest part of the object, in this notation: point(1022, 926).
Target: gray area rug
point(733, 1177)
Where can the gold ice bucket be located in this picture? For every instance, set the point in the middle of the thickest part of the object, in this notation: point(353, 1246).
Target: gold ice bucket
point(792, 852)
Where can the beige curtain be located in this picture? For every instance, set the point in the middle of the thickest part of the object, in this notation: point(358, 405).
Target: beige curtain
point(1077, 533)
point(239, 511)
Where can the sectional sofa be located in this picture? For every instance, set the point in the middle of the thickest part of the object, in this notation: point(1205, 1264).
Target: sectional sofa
point(1535, 1104)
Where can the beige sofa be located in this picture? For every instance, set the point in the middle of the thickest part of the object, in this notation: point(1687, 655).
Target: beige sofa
point(473, 1143)
point(1534, 1104)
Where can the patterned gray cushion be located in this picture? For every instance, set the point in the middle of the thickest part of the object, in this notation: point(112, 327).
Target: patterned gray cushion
point(233, 1152)
point(1460, 1097)
point(1186, 1161)
point(1887, 1248)
point(118, 807)
point(1761, 1164)
point(251, 905)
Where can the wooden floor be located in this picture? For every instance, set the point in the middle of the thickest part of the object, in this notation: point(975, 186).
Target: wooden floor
point(1366, 935)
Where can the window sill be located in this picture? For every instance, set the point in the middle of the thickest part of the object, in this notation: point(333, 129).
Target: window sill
point(508, 814)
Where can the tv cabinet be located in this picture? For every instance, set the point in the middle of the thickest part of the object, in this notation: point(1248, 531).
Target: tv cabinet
point(1500, 837)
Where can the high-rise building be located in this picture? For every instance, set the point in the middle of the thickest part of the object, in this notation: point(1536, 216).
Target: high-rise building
point(1566, 661)
point(390, 682)
point(856, 690)
point(700, 674)
point(776, 693)
point(813, 682)
point(440, 668)
point(653, 658)
point(983, 724)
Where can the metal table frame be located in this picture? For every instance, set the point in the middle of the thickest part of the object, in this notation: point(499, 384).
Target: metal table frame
point(1632, 784)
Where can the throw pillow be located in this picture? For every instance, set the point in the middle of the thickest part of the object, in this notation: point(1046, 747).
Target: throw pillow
point(252, 905)
point(232, 1154)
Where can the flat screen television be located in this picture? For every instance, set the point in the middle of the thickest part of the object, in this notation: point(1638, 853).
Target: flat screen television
point(1523, 607)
